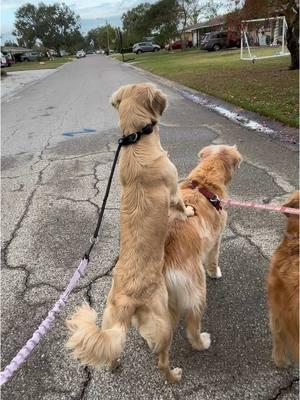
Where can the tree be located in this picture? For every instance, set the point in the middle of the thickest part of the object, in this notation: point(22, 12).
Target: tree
point(190, 11)
point(195, 9)
point(290, 9)
point(25, 25)
point(250, 9)
point(102, 37)
point(211, 8)
point(135, 23)
point(164, 16)
point(55, 26)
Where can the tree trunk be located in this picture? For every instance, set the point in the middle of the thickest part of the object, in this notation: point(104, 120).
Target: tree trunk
point(292, 45)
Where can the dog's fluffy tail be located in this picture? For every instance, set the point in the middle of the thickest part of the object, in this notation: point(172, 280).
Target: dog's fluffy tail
point(92, 345)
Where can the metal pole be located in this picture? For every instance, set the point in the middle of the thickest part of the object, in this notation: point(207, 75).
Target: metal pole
point(107, 37)
point(283, 32)
point(247, 43)
point(242, 40)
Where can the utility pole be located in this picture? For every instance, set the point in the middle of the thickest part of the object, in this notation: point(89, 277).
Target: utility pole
point(107, 37)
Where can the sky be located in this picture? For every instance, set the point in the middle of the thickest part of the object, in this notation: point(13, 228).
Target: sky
point(92, 13)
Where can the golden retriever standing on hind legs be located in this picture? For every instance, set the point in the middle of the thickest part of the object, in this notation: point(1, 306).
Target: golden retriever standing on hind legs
point(138, 293)
point(283, 292)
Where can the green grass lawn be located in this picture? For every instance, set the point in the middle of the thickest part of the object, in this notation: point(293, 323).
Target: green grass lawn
point(267, 86)
point(29, 65)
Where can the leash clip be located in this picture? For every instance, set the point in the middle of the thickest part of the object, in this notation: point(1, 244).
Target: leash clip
point(216, 202)
point(215, 199)
point(133, 138)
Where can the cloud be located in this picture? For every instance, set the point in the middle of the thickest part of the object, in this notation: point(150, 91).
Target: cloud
point(92, 13)
point(92, 23)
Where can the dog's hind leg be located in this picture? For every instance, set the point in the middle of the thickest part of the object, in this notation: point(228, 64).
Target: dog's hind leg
point(279, 338)
point(172, 375)
point(155, 326)
point(199, 341)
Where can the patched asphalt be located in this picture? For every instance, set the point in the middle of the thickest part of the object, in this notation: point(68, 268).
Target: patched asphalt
point(52, 187)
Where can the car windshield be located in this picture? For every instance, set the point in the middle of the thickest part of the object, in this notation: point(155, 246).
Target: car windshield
point(205, 37)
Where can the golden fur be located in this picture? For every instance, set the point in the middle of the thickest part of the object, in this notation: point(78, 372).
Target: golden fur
point(193, 244)
point(138, 294)
point(283, 292)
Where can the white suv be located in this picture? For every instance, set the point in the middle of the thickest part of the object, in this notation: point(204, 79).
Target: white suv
point(80, 54)
point(3, 61)
point(144, 47)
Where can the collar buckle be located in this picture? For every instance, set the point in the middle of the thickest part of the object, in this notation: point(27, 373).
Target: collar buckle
point(135, 137)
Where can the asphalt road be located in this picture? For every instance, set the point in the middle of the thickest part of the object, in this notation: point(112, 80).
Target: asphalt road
point(53, 182)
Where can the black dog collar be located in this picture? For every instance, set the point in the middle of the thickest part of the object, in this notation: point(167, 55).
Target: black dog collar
point(135, 137)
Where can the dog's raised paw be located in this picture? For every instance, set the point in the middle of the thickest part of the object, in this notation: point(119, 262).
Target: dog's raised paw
point(189, 211)
point(206, 341)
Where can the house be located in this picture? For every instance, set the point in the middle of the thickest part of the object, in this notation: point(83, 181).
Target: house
point(198, 30)
point(15, 51)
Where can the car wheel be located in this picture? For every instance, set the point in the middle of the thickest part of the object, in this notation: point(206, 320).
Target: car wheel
point(216, 47)
point(139, 52)
point(155, 49)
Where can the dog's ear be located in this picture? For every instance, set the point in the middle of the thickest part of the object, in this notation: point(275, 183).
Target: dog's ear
point(236, 157)
point(117, 96)
point(293, 202)
point(206, 151)
point(154, 100)
point(159, 102)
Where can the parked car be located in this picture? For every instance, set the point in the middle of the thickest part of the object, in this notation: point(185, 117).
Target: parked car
point(178, 44)
point(80, 54)
point(31, 56)
point(3, 61)
point(215, 41)
point(144, 47)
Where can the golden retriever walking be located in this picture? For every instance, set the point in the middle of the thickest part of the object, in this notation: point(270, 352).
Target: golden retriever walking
point(283, 292)
point(138, 295)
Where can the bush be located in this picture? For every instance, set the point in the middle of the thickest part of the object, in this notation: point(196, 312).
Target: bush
point(126, 50)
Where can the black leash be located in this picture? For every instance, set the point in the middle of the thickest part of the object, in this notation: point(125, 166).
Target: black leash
point(123, 141)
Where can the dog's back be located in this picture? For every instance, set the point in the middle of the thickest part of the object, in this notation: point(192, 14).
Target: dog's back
point(283, 292)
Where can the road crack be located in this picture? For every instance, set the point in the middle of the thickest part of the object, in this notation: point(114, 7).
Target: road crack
point(86, 382)
point(284, 389)
point(248, 239)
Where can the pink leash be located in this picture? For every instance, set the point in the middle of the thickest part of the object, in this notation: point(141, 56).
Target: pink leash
point(252, 204)
point(44, 327)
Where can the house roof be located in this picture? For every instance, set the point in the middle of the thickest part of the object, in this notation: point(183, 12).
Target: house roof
point(14, 50)
point(219, 20)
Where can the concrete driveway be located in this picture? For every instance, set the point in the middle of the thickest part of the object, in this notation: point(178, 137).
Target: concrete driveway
point(58, 142)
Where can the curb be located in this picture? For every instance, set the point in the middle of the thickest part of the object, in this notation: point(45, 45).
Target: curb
point(247, 119)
